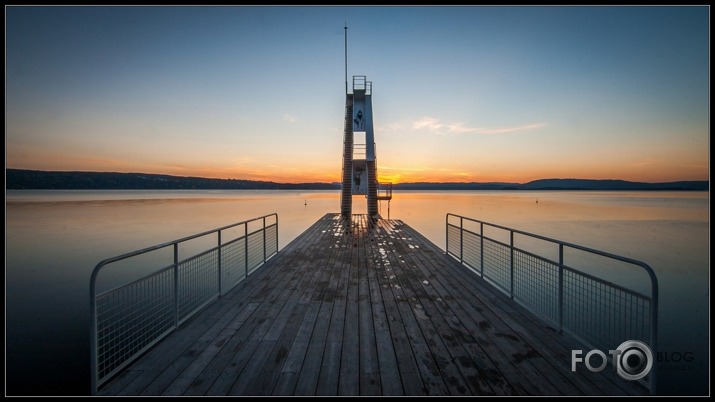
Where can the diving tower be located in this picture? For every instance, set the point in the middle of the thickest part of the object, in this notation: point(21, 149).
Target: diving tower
point(359, 159)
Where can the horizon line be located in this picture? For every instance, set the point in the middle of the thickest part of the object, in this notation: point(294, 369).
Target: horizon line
point(338, 181)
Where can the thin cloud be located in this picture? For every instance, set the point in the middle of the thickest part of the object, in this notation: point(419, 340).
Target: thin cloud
point(288, 118)
point(502, 130)
point(428, 123)
point(438, 127)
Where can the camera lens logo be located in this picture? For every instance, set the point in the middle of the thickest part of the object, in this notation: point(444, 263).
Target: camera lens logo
point(634, 361)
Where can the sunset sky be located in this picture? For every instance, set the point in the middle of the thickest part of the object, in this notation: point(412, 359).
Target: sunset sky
point(460, 94)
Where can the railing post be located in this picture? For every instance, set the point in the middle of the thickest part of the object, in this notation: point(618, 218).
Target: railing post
point(276, 233)
point(264, 239)
point(176, 285)
point(220, 288)
point(446, 234)
point(245, 248)
point(511, 263)
point(481, 247)
point(653, 330)
point(93, 332)
point(461, 240)
point(561, 288)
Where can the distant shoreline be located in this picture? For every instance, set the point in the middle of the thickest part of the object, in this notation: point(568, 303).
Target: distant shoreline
point(22, 179)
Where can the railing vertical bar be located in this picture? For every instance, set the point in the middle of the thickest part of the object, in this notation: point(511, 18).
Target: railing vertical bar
point(561, 288)
point(461, 240)
point(220, 273)
point(446, 234)
point(276, 233)
point(654, 330)
point(176, 285)
point(264, 239)
point(481, 247)
point(511, 262)
point(245, 249)
point(93, 358)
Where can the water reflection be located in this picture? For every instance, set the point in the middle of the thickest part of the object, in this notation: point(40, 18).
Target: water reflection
point(55, 238)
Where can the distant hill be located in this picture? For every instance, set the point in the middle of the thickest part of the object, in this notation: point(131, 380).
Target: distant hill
point(563, 184)
point(18, 179)
point(612, 185)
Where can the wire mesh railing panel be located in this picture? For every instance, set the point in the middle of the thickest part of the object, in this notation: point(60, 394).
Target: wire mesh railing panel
point(255, 250)
point(131, 317)
point(233, 263)
point(601, 314)
point(198, 282)
point(472, 251)
point(453, 240)
point(536, 284)
point(271, 243)
point(497, 263)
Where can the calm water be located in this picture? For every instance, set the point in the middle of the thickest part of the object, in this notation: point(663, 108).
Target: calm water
point(55, 238)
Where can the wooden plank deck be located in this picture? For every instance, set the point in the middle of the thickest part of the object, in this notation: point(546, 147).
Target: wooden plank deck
point(364, 308)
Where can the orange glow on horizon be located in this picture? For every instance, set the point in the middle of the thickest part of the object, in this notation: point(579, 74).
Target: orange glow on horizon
point(393, 176)
point(312, 172)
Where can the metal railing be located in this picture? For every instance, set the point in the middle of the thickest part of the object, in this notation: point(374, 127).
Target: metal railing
point(598, 312)
point(359, 151)
point(360, 83)
point(129, 319)
point(384, 191)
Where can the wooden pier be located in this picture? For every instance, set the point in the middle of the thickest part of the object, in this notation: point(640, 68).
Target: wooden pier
point(363, 307)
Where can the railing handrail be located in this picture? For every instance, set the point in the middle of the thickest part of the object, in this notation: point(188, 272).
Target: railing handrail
point(651, 273)
point(645, 266)
point(170, 243)
point(385, 187)
point(95, 381)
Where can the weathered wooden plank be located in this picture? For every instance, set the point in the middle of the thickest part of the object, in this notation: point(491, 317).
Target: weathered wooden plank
point(448, 353)
point(286, 339)
point(296, 354)
point(194, 369)
point(178, 364)
point(205, 379)
point(367, 349)
point(148, 368)
point(243, 346)
point(322, 299)
point(482, 374)
point(505, 344)
point(328, 382)
point(434, 382)
point(348, 383)
point(395, 332)
point(472, 361)
point(273, 364)
point(310, 371)
point(525, 376)
point(538, 335)
point(388, 370)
